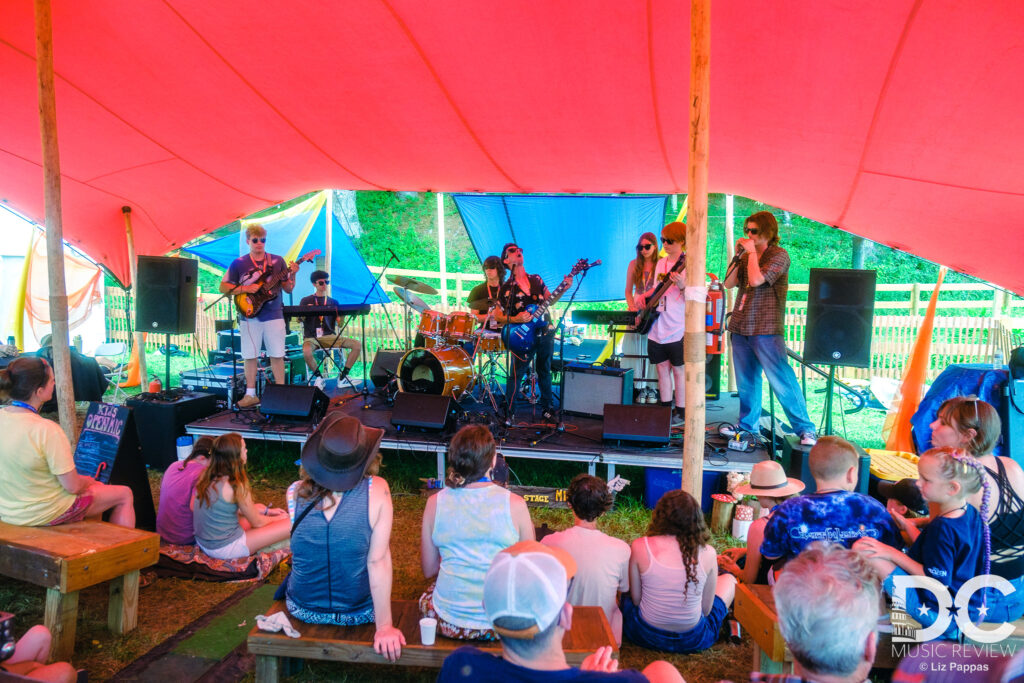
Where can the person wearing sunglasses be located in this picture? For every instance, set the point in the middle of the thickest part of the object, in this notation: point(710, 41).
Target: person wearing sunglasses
point(639, 279)
point(665, 339)
point(318, 330)
point(266, 328)
point(761, 274)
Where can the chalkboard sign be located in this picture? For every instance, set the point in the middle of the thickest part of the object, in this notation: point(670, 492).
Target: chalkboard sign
point(100, 440)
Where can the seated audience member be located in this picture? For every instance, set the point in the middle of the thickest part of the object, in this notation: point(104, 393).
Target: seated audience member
point(30, 655)
point(833, 512)
point(341, 557)
point(602, 561)
point(88, 383)
point(39, 485)
point(465, 524)
point(174, 515)
point(228, 524)
point(525, 595)
point(676, 601)
point(904, 502)
point(768, 481)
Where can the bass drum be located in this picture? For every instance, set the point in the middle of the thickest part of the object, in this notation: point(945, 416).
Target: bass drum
point(442, 371)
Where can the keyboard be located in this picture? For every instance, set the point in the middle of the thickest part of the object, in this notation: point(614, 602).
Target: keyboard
point(305, 311)
point(618, 318)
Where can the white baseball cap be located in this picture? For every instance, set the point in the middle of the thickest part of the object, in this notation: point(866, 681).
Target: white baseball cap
point(528, 580)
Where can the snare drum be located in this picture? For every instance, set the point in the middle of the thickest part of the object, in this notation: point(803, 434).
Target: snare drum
point(442, 371)
point(432, 324)
point(490, 342)
point(459, 327)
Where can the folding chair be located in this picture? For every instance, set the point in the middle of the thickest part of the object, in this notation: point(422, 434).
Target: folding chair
point(115, 350)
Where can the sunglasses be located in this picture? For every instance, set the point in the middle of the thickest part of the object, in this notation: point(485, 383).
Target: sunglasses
point(666, 240)
point(258, 239)
point(323, 282)
point(513, 250)
point(644, 247)
point(750, 231)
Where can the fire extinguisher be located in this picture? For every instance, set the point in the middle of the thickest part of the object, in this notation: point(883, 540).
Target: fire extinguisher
point(155, 385)
point(714, 317)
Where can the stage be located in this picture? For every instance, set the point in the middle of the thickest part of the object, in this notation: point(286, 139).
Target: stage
point(580, 442)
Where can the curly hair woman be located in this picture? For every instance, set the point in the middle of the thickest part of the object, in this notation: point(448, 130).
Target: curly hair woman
point(675, 602)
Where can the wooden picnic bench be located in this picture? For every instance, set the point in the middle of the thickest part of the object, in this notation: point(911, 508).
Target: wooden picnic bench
point(590, 630)
point(65, 559)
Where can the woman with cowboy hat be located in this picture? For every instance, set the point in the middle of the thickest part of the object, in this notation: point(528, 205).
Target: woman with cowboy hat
point(341, 556)
point(768, 481)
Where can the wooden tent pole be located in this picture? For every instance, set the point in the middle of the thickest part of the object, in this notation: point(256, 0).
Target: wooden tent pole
point(54, 224)
point(133, 271)
point(442, 256)
point(696, 244)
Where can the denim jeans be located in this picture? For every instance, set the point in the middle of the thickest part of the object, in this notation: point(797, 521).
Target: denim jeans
point(1005, 607)
point(751, 355)
point(700, 637)
point(543, 350)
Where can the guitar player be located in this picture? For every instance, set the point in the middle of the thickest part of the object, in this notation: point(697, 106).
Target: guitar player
point(267, 327)
point(519, 291)
point(665, 339)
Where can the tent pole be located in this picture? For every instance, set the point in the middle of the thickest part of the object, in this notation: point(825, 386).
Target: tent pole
point(442, 258)
point(54, 223)
point(696, 245)
point(730, 247)
point(133, 271)
point(329, 237)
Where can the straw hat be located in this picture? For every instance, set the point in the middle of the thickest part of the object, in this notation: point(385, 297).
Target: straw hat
point(338, 452)
point(768, 479)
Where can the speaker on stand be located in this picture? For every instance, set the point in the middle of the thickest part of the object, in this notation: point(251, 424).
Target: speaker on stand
point(167, 299)
point(840, 312)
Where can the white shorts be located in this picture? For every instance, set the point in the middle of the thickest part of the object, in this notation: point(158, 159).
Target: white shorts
point(235, 550)
point(259, 333)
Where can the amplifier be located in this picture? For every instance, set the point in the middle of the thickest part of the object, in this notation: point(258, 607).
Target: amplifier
point(586, 352)
point(644, 424)
point(586, 389)
point(294, 402)
point(215, 380)
point(160, 422)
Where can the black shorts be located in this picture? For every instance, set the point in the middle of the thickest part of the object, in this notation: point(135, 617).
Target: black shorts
point(671, 352)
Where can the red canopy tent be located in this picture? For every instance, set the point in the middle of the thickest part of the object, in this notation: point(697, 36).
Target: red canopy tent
point(897, 120)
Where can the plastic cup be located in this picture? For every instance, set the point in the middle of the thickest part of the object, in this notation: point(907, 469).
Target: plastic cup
point(428, 630)
point(184, 444)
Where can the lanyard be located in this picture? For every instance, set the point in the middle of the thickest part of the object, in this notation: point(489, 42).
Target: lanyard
point(26, 406)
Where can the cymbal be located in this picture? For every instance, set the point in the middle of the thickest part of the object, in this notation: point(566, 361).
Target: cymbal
point(410, 284)
point(479, 304)
point(415, 303)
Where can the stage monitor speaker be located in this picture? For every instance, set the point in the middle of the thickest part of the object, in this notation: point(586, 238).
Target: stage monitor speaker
point(644, 423)
point(385, 362)
point(425, 411)
point(796, 462)
point(713, 376)
point(167, 295)
point(160, 421)
point(294, 402)
point(840, 310)
point(587, 388)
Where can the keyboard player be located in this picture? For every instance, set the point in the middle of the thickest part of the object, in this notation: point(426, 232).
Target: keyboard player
point(319, 331)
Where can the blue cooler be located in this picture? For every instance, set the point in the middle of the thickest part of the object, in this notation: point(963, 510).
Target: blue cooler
point(658, 482)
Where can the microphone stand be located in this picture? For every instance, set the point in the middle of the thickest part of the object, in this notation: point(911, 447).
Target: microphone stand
point(366, 388)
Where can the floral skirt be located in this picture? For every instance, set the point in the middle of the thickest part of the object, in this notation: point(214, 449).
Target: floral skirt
point(447, 629)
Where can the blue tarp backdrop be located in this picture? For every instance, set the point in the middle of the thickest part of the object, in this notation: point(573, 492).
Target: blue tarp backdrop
point(555, 231)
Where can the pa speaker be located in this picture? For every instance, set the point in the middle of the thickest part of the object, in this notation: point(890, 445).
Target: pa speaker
point(385, 367)
point(840, 310)
point(587, 388)
point(166, 295)
point(713, 376)
point(294, 402)
point(644, 423)
point(425, 411)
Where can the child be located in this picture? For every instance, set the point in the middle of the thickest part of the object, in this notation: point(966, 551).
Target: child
point(222, 496)
point(904, 502)
point(947, 550)
point(174, 516)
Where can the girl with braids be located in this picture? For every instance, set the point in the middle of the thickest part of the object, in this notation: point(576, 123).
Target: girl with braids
point(676, 600)
point(955, 545)
point(228, 524)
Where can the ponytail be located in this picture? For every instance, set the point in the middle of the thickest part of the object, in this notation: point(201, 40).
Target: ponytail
point(20, 379)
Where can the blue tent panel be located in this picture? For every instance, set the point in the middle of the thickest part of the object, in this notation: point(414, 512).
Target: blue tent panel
point(221, 251)
point(556, 231)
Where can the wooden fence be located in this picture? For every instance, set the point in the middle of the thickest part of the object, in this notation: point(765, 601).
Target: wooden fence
point(985, 319)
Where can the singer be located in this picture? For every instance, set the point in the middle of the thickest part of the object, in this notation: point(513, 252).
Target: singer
point(761, 272)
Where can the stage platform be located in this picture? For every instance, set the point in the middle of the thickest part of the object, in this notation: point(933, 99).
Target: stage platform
point(580, 442)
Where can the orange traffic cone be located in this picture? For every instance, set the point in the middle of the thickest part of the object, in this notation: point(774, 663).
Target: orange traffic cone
point(132, 378)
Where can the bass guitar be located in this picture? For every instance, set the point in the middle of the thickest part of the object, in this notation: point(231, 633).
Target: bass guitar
point(250, 305)
point(646, 316)
point(521, 338)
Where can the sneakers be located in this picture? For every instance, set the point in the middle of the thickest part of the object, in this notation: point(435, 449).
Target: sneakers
point(808, 439)
point(677, 420)
point(319, 383)
point(248, 401)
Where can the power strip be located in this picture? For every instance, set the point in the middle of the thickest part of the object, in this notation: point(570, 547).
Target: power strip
point(739, 445)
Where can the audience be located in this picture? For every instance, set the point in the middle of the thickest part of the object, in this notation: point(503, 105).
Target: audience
point(30, 655)
point(340, 538)
point(525, 598)
point(676, 601)
point(228, 524)
point(88, 382)
point(602, 561)
point(39, 485)
point(904, 502)
point(174, 515)
point(769, 483)
point(465, 524)
point(834, 512)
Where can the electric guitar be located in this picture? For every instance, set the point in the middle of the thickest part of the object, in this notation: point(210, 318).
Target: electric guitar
point(521, 338)
point(250, 305)
point(646, 316)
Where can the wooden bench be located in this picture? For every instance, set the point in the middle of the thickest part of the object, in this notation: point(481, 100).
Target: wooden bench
point(755, 610)
point(67, 558)
point(590, 630)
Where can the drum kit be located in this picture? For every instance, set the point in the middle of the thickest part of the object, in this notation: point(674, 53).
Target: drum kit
point(456, 356)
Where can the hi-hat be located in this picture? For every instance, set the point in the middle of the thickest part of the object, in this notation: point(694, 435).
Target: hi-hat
point(414, 302)
point(411, 284)
point(479, 304)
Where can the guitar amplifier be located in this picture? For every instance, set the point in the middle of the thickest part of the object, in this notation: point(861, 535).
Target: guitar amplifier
point(587, 388)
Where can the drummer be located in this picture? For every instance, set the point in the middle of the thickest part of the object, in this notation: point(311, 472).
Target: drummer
point(484, 296)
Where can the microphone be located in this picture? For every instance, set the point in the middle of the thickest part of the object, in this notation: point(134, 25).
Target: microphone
point(595, 263)
point(739, 254)
point(394, 255)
